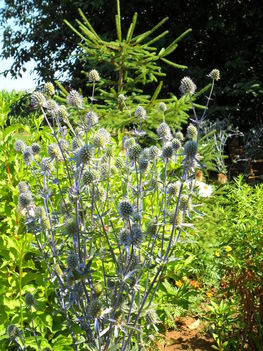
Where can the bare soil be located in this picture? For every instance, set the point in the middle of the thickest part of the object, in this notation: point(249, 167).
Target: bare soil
point(188, 337)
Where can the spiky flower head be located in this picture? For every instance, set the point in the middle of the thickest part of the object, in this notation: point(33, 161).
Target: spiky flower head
point(104, 171)
point(134, 152)
point(63, 113)
point(214, 74)
point(185, 202)
point(94, 76)
point(25, 199)
point(63, 145)
point(109, 152)
point(162, 107)
point(164, 131)
point(129, 142)
point(191, 131)
point(45, 222)
point(119, 163)
point(13, 332)
point(88, 177)
point(99, 194)
point(54, 152)
point(167, 151)
point(49, 89)
point(125, 237)
point(95, 309)
point(153, 184)
point(179, 219)
point(187, 86)
point(23, 187)
point(76, 143)
point(140, 112)
point(72, 261)
point(99, 141)
point(151, 228)
point(46, 165)
point(105, 134)
point(70, 226)
point(121, 98)
point(136, 235)
point(40, 212)
point(179, 135)
point(38, 100)
point(20, 146)
point(91, 118)
point(28, 155)
point(176, 144)
point(29, 300)
point(84, 154)
point(98, 289)
point(125, 209)
point(35, 148)
point(143, 164)
point(154, 152)
point(173, 189)
point(190, 149)
point(75, 99)
point(151, 317)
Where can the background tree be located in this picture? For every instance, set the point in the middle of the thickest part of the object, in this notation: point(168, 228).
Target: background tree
point(227, 34)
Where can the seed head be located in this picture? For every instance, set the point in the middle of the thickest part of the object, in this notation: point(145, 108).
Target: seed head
point(176, 144)
point(104, 171)
point(167, 151)
point(140, 112)
point(185, 203)
point(162, 107)
point(190, 149)
point(28, 155)
point(63, 144)
point(99, 194)
point(71, 227)
point(88, 177)
point(75, 99)
point(95, 308)
point(99, 141)
point(13, 332)
point(45, 222)
point(35, 148)
point(72, 261)
point(25, 199)
point(20, 146)
point(179, 135)
point(125, 209)
point(63, 113)
point(94, 76)
point(154, 152)
point(38, 100)
point(29, 300)
point(151, 228)
point(46, 165)
point(91, 118)
point(214, 74)
point(23, 187)
point(84, 154)
point(143, 164)
point(128, 143)
point(49, 89)
point(134, 152)
point(105, 134)
point(179, 219)
point(136, 235)
point(191, 131)
point(76, 143)
point(119, 163)
point(121, 98)
point(187, 86)
point(173, 189)
point(164, 131)
point(125, 237)
point(98, 289)
point(54, 152)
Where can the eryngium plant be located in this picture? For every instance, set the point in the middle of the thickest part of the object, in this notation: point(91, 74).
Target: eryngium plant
point(110, 218)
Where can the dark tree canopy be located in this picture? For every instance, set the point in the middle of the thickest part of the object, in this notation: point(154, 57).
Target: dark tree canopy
point(227, 34)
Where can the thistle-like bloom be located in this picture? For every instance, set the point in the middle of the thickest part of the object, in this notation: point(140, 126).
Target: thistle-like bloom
point(72, 261)
point(191, 131)
point(20, 146)
point(49, 89)
point(167, 151)
point(190, 149)
point(164, 131)
point(91, 118)
point(121, 98)
point(23, 187)
point(35, 148)
point(94, 76)
point(13, 332)
point(187, 86)
point(38, 100)
point(29, 300)
point(75, 99)
point(125, 209)
point(162, 107)
point(214, 74)
point(140, 112)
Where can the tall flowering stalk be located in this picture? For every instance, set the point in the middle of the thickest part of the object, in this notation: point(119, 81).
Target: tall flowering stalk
point(107, 218)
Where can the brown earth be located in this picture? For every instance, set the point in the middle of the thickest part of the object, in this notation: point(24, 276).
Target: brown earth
point(188, 337)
